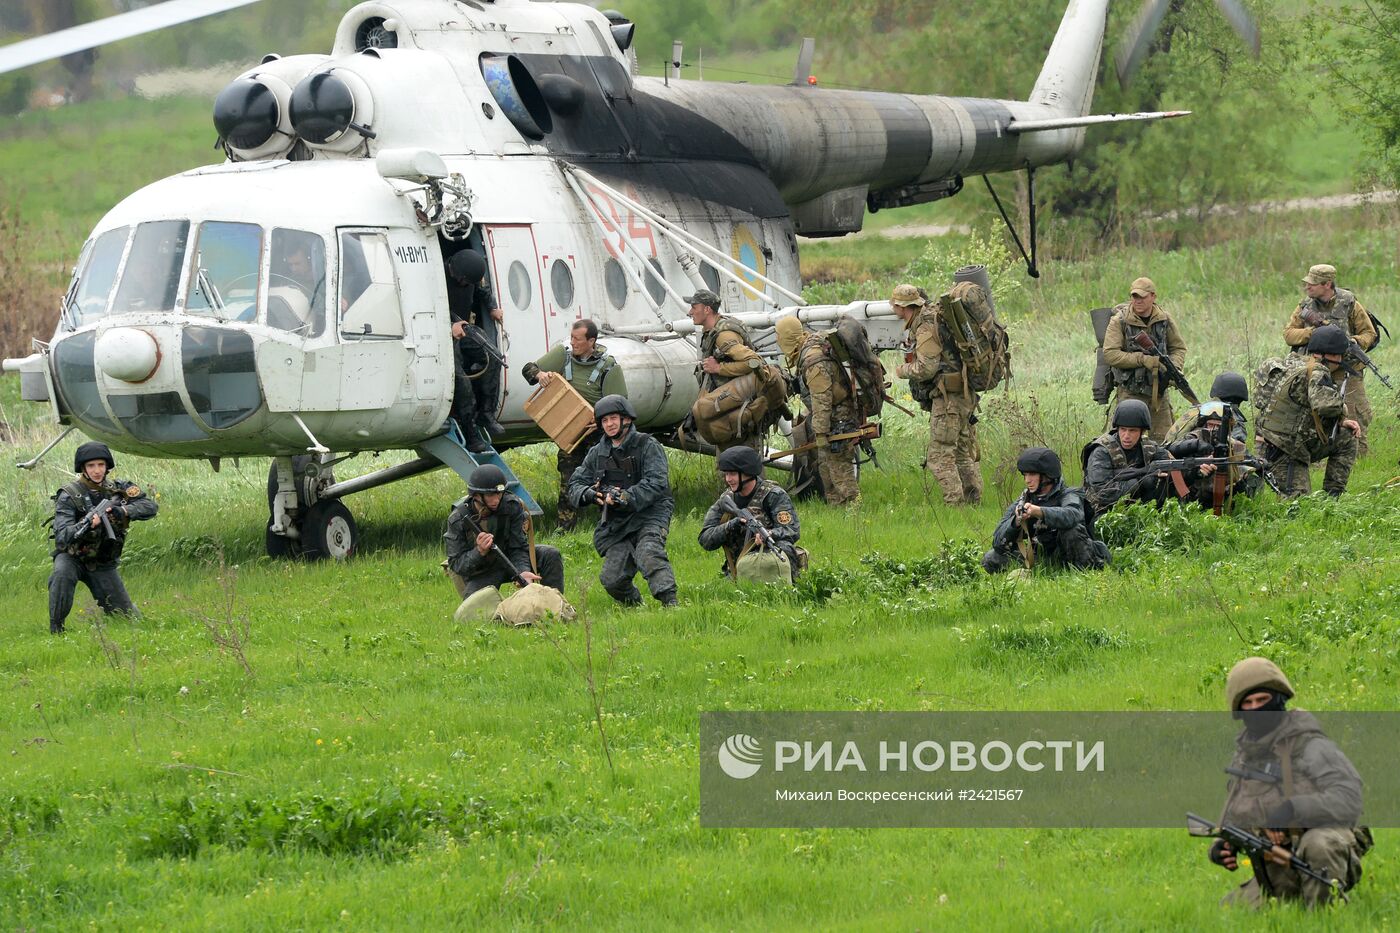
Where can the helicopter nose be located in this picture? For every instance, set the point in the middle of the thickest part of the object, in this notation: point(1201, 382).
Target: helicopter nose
point(128, 354)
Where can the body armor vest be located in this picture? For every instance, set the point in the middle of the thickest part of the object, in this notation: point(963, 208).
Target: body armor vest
point(1138, 381)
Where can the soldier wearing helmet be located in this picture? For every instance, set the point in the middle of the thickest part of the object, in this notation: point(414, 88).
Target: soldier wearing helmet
point(490, 516)
point(1050, 525)
point(1306, 421)
point(1292, 783)
point(935, 373)
point(1213, 435)
point(770, 523)
point(626, 475)
point(1228, 387)
point(1126, 448)
point(827, 392)
point(1137, 374)
point(1323, 303)
point(84, 551)
point(477, 386)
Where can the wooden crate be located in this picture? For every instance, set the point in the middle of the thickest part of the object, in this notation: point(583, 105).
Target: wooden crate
point(561, 412)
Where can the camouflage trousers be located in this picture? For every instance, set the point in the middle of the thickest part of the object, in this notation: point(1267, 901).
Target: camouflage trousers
point(1358, 406)
point(1293, 477)
point(1332, 850)
point(838, 475)
point(566, 513)
point(1161, 412)
point(644, 552)
point(953, 456)
point(105, 584)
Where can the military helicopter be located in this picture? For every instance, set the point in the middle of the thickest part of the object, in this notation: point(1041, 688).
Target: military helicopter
point(291, 301)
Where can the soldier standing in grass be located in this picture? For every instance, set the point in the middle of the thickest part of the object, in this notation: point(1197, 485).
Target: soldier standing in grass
point(1324, 303)
point(830, 400)
point(83, 549)
point(935, 373)
point(1048, 525)
point(1306, 420)
point(626, 475)
point(1291, 783)
point(1139, 375)
point(593, 373)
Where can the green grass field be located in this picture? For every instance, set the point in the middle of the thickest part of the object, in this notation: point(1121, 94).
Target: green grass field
point(383, 768)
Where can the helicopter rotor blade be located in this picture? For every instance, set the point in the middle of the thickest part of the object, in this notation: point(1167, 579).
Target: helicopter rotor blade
point(1242, 22)
point(111, 29)
point(1139, 38)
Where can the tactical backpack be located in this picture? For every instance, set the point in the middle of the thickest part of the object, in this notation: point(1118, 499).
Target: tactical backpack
point(1268, 376)
point(850, 345)
point(980, 338)
point(741, 407)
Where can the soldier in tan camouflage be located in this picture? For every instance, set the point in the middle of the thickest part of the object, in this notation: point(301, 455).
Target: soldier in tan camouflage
point(1140, 375)
point(830, 401)
point(1324, 303)
point(1306, 421)
point(726, 351)
point(934, 370)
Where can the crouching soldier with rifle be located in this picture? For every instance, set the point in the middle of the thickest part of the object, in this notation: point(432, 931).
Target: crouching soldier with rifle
point(1294, 798)
point(491, 540)
point(753, 522)
point(1214, 484)
point(1112, 462)
point(90, 520)
point(1049, 525)
point(626, 475)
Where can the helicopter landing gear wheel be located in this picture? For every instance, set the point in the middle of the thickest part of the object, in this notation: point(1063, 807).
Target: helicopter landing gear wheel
point(328, 531)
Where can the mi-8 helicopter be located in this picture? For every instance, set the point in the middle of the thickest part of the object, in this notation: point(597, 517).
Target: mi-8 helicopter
point(293, 297)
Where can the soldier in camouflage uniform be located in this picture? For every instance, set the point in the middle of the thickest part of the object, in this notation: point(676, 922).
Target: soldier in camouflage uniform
point(726, 350)
point(504, 522)
point(1324, 303)
point(82, 550)
point(626, 474)
point(593, 374)
point(1106, 458)
point(1300, 791)
point(1230, 388)
point(1205, 441)
point(766, 501)
point(1306, 419)
point(934, 370)
point(1046, 525)
point(827, 392)
point(1140, 375)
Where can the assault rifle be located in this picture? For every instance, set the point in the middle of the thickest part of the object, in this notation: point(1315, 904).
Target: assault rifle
point(476, 335)
point(1259, 847)
point(101, 511)
point(1355, 352)
point(1022, 538)
point(607, 496)
point(752, 526)
point(1190, 465)
point(1174, 375)
point(495, 548)
point(865, 433)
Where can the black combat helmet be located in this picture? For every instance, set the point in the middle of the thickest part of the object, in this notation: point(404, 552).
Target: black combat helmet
point(744, 460)
point(92, 450)
point(1132, 413)
point(467, 266)
point(487, 478)
point(1040, 460)
point(1329, 338)
point(1230, 387)
point(614, 405)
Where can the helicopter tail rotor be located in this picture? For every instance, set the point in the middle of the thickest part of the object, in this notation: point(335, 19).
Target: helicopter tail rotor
point(1142, 34)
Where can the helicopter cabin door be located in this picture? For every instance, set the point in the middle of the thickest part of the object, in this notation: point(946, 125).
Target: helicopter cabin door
point(514, 261)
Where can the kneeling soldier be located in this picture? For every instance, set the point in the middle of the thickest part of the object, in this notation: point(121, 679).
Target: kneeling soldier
point(1306, 419)
point(1124, 450)
point(1048, 524)
point(90, 520)
point(626, 474)
point(1229, 388)
point(1292, 784)
point(755, 515)
point(490, 526)
point(1206, 440)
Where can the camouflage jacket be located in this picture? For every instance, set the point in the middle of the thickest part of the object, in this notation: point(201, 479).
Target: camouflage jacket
point(1305, 408)
point(824, 386)
point(1343, 310)
point(931, 358)
point(1128, 362)
point(729, 343)
point(1303, 766)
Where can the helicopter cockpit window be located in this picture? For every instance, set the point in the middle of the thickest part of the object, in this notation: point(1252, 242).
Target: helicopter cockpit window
point(369, 296)
point(224, 271)
point(151, 276)
point(296, 283)
point(97, 273)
